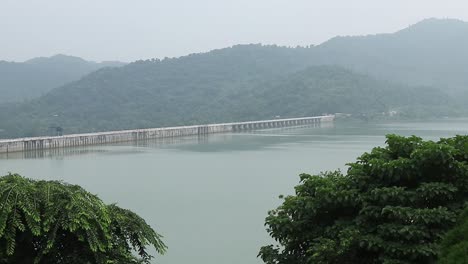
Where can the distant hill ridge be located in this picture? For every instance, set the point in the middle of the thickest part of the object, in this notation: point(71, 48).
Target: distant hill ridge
point(20, 81)
point(61, 59)
point(433, 52)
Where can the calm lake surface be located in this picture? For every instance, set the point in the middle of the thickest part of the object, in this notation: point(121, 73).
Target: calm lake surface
point(209, 196)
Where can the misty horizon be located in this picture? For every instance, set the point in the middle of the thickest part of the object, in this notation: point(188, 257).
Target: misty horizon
point(117, 30)
point(55, 55)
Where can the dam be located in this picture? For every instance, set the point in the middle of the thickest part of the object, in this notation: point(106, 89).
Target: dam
point(75, 140)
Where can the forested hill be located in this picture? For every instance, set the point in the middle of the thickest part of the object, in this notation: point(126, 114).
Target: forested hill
point(433, 52)
point(333, 89)
point(137, 96)
point(417, 71)
point(152, 92)
point(20, 81)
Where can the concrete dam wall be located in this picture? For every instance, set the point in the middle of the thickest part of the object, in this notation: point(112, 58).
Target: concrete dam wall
point(74, 140)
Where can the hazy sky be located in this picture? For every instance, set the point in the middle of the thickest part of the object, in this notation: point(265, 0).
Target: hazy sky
point(128, 30)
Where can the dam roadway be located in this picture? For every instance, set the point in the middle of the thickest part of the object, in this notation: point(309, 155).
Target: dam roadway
point(75, 140)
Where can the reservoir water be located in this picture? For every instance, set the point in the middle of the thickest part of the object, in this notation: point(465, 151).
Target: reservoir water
point(209, 196)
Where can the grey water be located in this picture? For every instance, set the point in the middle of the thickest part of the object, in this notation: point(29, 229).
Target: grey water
point(209, 195)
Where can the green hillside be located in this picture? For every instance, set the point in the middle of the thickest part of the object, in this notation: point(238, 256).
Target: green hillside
point(420, 71)
point(433, 52)
point(21, 81)
point(135, 97)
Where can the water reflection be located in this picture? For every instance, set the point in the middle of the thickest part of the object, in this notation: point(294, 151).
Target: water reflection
point(50, 153)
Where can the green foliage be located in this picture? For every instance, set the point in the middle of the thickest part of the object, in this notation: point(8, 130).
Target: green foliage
point(393, 206)
point(54, 222)
point(454, 246)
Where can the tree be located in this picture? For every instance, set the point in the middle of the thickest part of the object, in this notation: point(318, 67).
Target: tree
point(454, 246)
point(393, 206)
point(55, 222)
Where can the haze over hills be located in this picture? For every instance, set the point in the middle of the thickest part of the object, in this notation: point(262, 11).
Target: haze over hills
point(433, 52)
point(417, 71)
point(20, 81)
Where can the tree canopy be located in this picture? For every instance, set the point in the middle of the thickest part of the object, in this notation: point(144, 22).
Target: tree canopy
point(55, 222)
point(454, 246)
point(393, 205)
